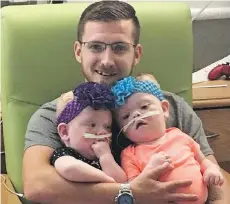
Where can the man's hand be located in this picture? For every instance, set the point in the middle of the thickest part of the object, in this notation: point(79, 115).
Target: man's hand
point(101, 148)
point(213, 176)
point(147, 190)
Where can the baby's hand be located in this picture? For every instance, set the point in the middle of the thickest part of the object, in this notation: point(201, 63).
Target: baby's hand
point(101, 148)
point(159, 159)
point(109, 179)
point(212, 175)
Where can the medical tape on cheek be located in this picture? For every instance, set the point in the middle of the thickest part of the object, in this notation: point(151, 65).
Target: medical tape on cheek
point(93, 136)
point(145, 115)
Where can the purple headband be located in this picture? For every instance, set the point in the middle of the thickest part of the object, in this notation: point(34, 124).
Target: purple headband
point(86, 94)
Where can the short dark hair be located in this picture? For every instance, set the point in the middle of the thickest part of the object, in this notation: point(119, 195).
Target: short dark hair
point(108, 11)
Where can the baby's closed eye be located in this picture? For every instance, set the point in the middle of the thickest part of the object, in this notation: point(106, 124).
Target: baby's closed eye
point(126, 116)
point(145, 106)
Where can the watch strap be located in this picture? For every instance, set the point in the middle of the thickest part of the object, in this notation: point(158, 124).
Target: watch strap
point(125, 187)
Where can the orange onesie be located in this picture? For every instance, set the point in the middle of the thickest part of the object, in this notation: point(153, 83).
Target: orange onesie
point(181, 148)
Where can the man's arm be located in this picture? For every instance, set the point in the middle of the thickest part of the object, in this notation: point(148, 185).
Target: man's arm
point(190, 123)
point(76, 170)
point(42, 183)
point(218, 194)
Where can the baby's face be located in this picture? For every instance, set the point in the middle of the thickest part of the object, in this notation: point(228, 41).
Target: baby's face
point(146, 129)
point(91, 121)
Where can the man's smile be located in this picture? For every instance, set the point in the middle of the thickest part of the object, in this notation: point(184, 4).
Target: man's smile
point(105, 73)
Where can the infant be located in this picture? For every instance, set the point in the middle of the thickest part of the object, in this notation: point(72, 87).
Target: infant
point(141, 112)
point(84, 125)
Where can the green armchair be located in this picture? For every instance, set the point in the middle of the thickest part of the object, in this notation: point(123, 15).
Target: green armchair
point(38, 62)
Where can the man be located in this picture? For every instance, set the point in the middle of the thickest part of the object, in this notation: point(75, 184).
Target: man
point(107, 48)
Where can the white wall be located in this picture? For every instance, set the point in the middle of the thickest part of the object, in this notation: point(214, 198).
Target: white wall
point(214, 9)
point(192, 4)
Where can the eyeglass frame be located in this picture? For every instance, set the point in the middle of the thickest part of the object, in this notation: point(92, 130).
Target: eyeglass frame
point(107, 44)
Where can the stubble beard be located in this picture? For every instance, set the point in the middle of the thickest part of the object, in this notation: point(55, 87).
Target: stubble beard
point(102, 81)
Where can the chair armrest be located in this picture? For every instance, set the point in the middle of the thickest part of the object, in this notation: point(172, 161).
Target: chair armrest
point(6, 196)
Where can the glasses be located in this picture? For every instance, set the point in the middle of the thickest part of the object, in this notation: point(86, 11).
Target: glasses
point(117, 47)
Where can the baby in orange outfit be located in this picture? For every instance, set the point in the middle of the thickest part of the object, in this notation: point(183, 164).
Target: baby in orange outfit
point(141, 114)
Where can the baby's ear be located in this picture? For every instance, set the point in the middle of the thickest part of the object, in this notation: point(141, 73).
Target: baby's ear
point(63, 132)
point(165, 108)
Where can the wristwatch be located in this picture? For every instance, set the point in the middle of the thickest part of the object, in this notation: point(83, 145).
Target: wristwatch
point(124, 195)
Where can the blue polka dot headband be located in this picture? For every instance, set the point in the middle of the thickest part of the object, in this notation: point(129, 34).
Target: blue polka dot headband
point(129, 85)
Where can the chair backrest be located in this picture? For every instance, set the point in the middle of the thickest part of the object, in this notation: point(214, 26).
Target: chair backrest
point(38, 62)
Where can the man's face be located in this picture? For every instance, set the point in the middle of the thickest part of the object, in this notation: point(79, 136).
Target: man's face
point(112, 63)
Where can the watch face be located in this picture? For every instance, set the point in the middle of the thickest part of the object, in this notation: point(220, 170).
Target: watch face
point(125, 198)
